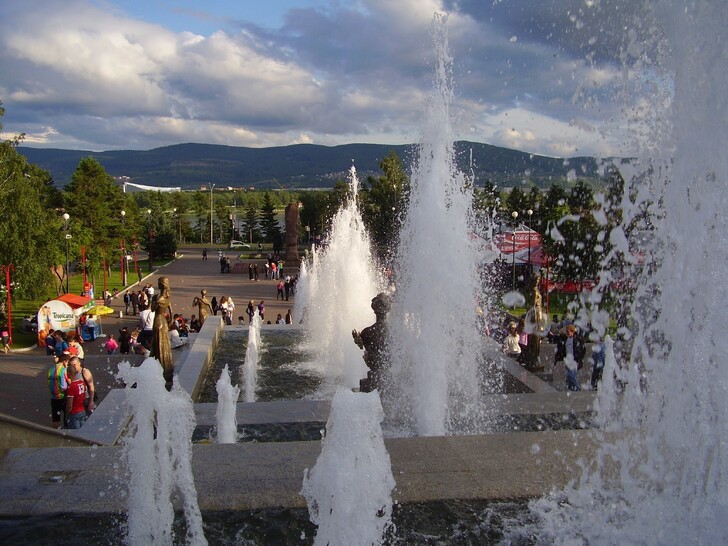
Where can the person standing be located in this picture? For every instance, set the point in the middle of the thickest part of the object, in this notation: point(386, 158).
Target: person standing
point(251, 311)
point(74, 345)
point(289, 317)
point(204, 254)
point(231, 310)
point(146, 328)
point(91, 396)
point(143, 300)
point(124, 341)
point(134, 299)
point(511, 347)
point(214, 305)
point(127, 302)
point(223, 306)
point(60, 346)
point(279, 290)
point(598, 355)
point(261, 310)
point(57, 385)
point(6, 337)
point(75, 396)
point(574, 353)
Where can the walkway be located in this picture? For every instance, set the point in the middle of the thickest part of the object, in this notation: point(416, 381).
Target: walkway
point(23, 374)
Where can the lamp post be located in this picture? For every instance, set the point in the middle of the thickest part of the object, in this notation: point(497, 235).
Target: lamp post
point(8, 306)
point(66, 217)
point(179, 225)
point(529, 212)
point(211, 188)
point(514, 214)
point(134, 246)
point(150, 238)
point(123, 250)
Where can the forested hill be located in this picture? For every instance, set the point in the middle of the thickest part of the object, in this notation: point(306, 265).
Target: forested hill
point(297, 166)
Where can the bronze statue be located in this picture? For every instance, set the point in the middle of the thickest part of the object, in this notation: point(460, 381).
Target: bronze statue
point(373, 339)
point(161, 347)
point(203, 306)
point(537, 321)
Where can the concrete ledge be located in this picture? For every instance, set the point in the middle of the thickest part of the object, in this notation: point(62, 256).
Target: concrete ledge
point(18, 433)
point(260, 475)
point(190, 373)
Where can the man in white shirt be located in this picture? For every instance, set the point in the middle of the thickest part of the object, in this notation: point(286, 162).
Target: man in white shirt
point(146, 327)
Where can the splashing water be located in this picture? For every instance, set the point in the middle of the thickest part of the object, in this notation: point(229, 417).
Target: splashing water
point(250, 367)
point(432, 323)
point(158, 457)
point(225, 413)
point(349, 489)
point(339, 286)
point(661, 474)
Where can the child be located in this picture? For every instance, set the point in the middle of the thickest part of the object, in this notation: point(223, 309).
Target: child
point(111, 345)
point(511, 346)
point(6, 338)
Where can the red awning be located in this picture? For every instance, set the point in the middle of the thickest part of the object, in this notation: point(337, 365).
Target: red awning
point(75, 301)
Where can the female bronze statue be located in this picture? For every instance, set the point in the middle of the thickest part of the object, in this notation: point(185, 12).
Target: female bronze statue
point(203, 306)
point(161, 348)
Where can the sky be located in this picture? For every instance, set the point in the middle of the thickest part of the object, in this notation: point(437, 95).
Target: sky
point(549, 77)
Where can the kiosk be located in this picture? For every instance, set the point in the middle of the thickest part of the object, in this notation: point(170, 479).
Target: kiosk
point(62, 313)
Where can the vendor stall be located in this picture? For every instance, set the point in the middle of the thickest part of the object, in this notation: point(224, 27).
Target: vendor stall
point(62, 313)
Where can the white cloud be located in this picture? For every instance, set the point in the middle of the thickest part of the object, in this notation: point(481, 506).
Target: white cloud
point(82, 74)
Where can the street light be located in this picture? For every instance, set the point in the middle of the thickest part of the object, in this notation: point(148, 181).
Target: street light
point(529, 212)
point(66, 217)
point(179, 225)
point(211, 188)
point(123, 250)
point(514, 214)
point(150, 238)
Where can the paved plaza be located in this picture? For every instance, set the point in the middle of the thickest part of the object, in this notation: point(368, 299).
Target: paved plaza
point(23, 373)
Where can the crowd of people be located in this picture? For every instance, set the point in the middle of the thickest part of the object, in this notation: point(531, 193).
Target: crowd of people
point(71, 385)
point(570, 343)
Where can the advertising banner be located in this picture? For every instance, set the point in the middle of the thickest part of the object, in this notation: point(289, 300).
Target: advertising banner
point(55, 315)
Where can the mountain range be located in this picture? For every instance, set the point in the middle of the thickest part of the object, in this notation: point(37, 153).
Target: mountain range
point(299, 166)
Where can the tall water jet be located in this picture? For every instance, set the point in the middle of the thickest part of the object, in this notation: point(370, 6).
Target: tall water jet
point(349, 489)
point(339, 285)
point(158, 457)
point(433, 321)
point(225, 413)
point(252, 352)
point(664, 480)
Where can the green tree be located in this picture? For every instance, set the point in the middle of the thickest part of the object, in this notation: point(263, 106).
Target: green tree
point(516, 201)
point(94, 203)
point(30, 232)
point(250, 229)
point(384, 200)
point(269, 222)
point(313, 214)
point(572, 234)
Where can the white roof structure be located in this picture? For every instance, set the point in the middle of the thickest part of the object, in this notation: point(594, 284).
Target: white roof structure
point(142, 187)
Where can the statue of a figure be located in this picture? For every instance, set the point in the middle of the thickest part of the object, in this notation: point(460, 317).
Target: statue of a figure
point(373, 339)
point(536, 321)
point(203, 306)
point(161, 348)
